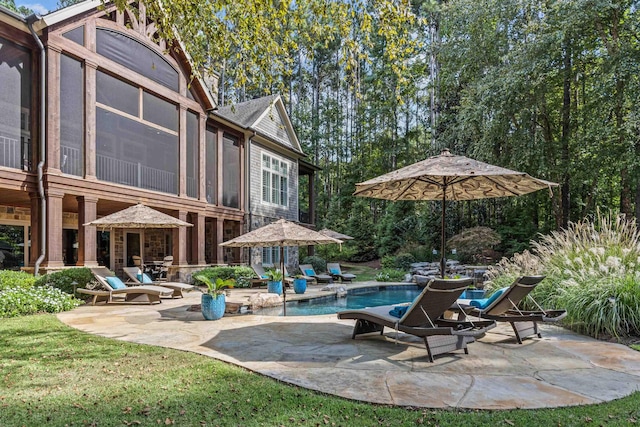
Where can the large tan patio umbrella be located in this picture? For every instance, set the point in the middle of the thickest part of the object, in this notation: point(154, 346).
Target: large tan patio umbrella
point(280, 233)
point(335, 234)
point(138, 216)
point(448, 177)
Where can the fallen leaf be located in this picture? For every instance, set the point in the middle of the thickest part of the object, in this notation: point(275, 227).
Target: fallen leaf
point(127, 410)
point(509, 422)
point(168, 421)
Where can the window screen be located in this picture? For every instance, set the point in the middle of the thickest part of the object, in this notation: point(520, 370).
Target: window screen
point(231, 172)
point(71, 116)
point(76, 35)
point(211, 166)
point(117, 94)
point(192, 154)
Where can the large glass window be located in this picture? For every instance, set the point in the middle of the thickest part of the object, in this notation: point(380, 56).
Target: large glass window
point(193, 167)
point(275, 181)
point(231, 172)
point(271, 256)
point(71, 115)
point(136, 56)
point(15, 106)
point(212, 169)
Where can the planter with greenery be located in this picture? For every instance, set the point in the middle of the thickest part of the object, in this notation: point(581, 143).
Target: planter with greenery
point(274, 285)
point(213, 303)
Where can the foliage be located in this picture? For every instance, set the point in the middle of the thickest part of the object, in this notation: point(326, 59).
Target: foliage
point(336, 253)
point(64, 279)
point(318, 264)
point(274, 275)
point(214, 287)
point(16, 279)
point(401, 261)
point(592, 270)
point(390, 275)
point(20, 300)
point(470, 243)
point(163, 386)
point(241, 275)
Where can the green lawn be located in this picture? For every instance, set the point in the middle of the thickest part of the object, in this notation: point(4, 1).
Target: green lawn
point(54, 375)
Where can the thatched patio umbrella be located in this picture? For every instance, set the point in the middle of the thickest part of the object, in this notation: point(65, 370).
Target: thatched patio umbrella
point(448, 177)
point(280, 233)
point(335, 234)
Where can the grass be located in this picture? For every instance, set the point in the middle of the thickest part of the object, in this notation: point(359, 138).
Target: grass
point(55, 375)
point(363, 272)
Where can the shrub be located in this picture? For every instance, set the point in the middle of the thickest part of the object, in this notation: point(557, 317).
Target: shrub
point(319, 264)
point(593, 271)
point(64, 279)
point(16, 280)
point(335, 252)
point(390, 275)
point(19, 301)
point(470, 243)
point(401, 261)
point(241, 274)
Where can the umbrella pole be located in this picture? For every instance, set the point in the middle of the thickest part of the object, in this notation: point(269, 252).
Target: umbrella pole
point(442, 237)
point(284, 283)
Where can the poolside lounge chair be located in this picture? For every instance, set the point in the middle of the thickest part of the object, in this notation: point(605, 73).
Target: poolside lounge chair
point(263, 278)
point(424, 318)
point(502, 306)
point(178, 288)
point(145, 293)
point(336, 272)
point(309, 273)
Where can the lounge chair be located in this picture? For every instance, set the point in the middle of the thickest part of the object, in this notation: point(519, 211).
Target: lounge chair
point(163, 272)
point(262, 279)
point(336, 272)
point(424, 318)
point(113, 287)
point(502, 306)
point(310, 274)
point(144, 279)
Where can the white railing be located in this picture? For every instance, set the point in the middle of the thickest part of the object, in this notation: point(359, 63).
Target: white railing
point(192, 187)
point(10, 152)
point(71, 160)
point(135, 174)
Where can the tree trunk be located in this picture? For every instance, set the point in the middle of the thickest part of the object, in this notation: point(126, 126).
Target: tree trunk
point(566, 134)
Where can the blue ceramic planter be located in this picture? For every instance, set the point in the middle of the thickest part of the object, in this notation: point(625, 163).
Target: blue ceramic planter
point(300, 286)
point(212, 307)
point(274, 287)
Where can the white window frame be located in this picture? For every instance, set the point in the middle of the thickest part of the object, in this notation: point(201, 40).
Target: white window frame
point(275, 180)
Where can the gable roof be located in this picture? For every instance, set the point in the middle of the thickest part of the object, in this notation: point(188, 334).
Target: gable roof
point(266, 116)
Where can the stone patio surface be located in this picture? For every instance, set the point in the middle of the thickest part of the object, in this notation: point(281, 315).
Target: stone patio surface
point(317, 352)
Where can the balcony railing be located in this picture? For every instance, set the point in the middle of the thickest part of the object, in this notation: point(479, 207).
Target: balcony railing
point(71, 160)
point(135, 174)
point(15, 153)
point(192, 187)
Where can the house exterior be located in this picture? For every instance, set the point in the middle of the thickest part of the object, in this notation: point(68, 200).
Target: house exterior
point(98, 114)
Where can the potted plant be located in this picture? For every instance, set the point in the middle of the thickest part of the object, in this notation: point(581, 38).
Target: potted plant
point(299, 284)
point(274, 285)
point(213, 302)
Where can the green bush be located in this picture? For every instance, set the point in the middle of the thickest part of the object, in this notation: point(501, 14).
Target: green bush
point(388, 261)
point(592, 271)
point(390, 275)
point(335, 253)
point(64, 279)
point(470, 243)
point(241, 274)
point(401, 261)
point(319, 264)
point(19, 301)
point(16, 279)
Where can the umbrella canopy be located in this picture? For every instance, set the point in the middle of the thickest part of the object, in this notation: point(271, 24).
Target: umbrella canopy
point(138, 216)
point(335, 234)
point(280, 233)
point(448, 177)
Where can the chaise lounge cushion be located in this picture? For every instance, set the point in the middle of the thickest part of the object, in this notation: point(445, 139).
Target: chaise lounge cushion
point(115, 282)
point(485, 302)
point(309, 273)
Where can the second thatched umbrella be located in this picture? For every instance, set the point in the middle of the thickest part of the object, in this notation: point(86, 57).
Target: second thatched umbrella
point(281, 233)
point(448, 177)
point(335, 234)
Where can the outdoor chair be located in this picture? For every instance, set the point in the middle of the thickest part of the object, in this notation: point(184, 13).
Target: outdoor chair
point(424, 318)
point(336, 272)
point(113, 287)
point(502, 306)
point(310, 274)
point(163, 274)
point(263, 278)
point(136, 277)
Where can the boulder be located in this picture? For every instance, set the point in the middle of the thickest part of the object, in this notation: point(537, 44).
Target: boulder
point(265, 300)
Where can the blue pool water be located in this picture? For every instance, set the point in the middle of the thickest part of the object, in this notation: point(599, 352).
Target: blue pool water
point(357, 298)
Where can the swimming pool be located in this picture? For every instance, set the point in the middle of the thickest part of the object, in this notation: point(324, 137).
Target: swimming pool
point(356, 298)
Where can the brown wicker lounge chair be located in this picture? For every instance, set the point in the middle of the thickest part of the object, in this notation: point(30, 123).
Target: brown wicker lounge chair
point(145, 294)
point(310, 274)
point(424, 318)
point(504, 308)
point(178, 288)
point(336, 272)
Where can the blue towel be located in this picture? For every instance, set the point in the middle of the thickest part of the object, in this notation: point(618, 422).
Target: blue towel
point(399, 311)
point(485, 302)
